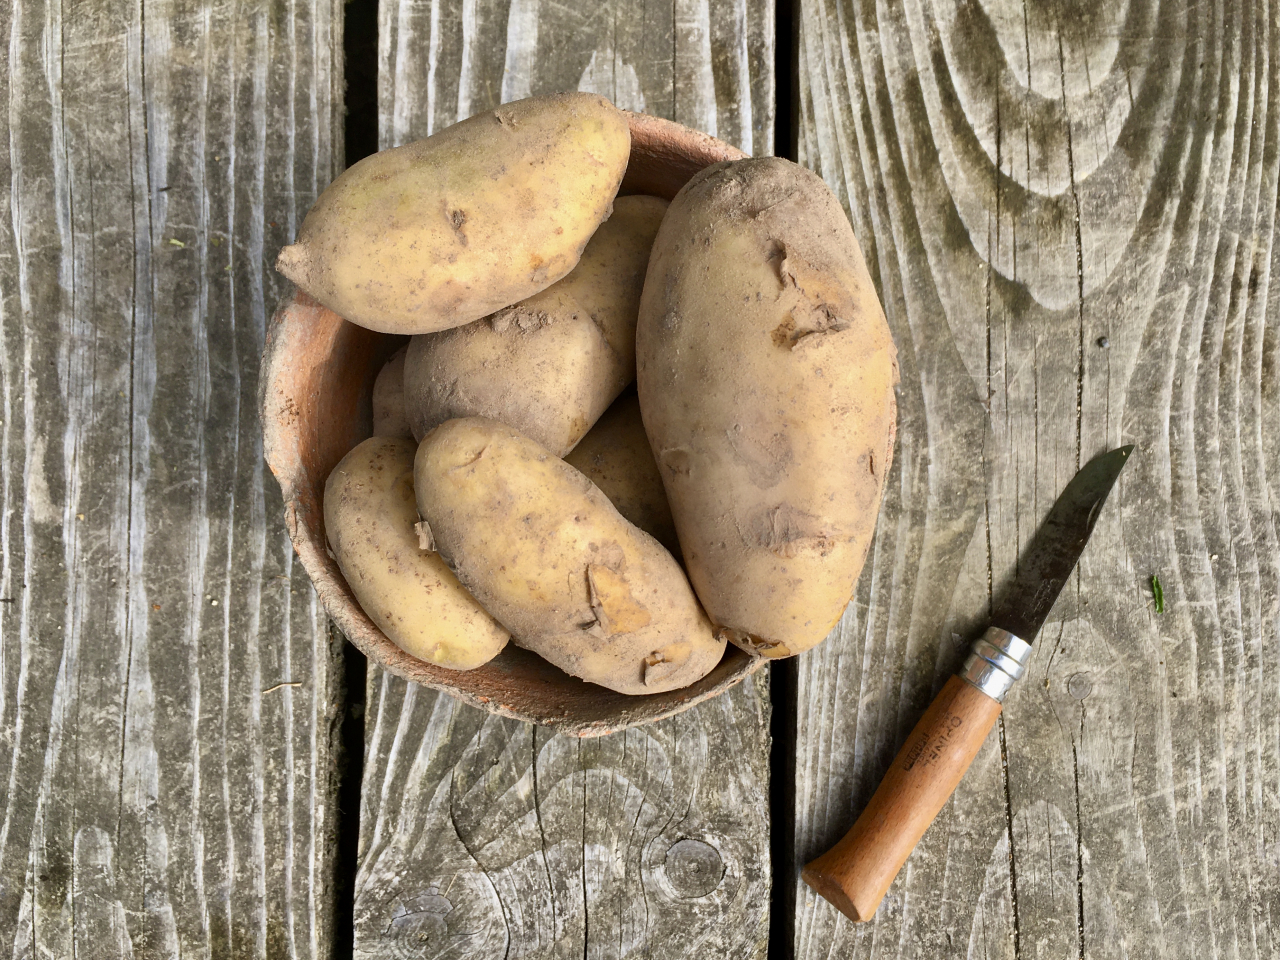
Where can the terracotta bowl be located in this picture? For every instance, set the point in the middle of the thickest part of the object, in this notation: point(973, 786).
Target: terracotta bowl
point(315, 388)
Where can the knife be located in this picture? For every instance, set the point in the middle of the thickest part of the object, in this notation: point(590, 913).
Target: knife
point(855, 874)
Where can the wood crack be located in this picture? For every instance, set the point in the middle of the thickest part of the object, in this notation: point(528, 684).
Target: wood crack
point(586, 908)
point(1075, 200)
point(1008, 823)
point(1075, 763)
point(542, 831)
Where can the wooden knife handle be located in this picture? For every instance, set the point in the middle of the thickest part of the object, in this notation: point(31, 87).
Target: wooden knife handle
point(855, 873)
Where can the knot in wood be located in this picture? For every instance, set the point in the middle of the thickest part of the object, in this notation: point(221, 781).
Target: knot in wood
point(420, 920)
point(693, 868)
point(1079, 686)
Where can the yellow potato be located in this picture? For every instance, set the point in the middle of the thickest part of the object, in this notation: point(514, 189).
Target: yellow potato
point(550, 365)
point(766, 374)
point(554, 562)
point(370, 519)
point(615, 456)
point(446, 230)
point(388, 399)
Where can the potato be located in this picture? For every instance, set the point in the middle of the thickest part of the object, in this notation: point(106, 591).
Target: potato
point(766, 375)
point(388, 399)
point(370, 518)
point(446, 230)
point(550, 365)
point(549, 556)
point(615, 456)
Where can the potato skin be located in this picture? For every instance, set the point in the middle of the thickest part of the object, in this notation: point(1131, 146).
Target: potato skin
point(766, 375)
point(369, 517)
point(555, 563)
point(389, 418)
point(550, 365)
point(615, 456)
point(444, 231)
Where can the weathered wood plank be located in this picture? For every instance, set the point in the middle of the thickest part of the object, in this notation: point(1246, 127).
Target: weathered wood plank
point(167, 680)
point(483, 837)
point(705, 63)
point(1070, 213)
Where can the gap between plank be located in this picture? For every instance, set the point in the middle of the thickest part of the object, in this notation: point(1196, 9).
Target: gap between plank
point(360, 70)
point(784, 675)
point(360, 139)
point(350, 776)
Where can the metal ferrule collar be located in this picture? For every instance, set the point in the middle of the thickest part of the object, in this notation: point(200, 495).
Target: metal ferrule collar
point(998, 658)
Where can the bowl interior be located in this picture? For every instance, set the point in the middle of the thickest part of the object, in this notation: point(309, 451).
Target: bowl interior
point(317, 381)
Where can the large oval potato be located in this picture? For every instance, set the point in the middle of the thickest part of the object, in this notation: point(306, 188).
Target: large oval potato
point(550, 365)
point(446, 230)
point(766, 376)
point(616, 457)
point(370, 519)
point(550, 557)
point(389, 419)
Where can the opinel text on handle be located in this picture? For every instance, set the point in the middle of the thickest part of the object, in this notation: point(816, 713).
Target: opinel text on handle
point(855, 873)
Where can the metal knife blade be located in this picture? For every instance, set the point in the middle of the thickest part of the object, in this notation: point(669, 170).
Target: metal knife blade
point(1047, 563)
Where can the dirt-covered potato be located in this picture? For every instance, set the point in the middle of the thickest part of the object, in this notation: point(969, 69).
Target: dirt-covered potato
point(388, 399)
point(615, 456)
point(370, 518)
point(766, 376)
point(483, 214)
point(549, 556)
point(550, 365)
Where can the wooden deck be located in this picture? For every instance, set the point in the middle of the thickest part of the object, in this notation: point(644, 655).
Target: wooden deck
point(1070, 213)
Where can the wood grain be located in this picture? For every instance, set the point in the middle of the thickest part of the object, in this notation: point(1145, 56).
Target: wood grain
point(1070, 214)
point(167, 680)
point(484, 837)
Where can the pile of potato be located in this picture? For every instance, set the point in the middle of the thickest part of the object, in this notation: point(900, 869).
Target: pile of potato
point(515, 488)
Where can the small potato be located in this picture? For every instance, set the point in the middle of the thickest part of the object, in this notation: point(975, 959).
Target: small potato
point(550, 557)
point(388, 399)
point(446, 230)
point(766, 375)
point(370, 518)
point(550, 365)
point(616, 457)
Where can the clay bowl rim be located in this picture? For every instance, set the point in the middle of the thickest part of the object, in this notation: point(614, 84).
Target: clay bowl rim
point(301, 343)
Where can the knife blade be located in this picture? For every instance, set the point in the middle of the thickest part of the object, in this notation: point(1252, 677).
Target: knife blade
point(855, 874)
point(1046, 564)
